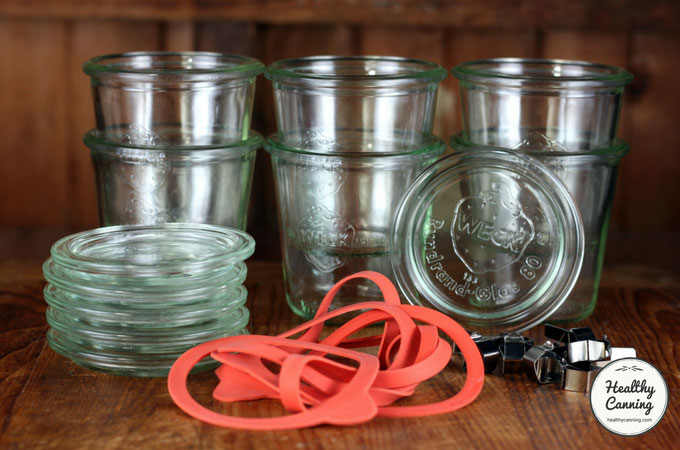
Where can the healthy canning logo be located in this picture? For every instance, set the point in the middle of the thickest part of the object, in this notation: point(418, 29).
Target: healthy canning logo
point(629, 397)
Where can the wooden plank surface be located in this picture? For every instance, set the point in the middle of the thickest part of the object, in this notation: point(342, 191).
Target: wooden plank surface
point(180, 36)
point(659, 14)
point(652, 128)
point(49, 402)
point(33, 116)
point(22, 335)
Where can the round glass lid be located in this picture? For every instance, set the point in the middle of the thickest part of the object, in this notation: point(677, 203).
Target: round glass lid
point(490, 237)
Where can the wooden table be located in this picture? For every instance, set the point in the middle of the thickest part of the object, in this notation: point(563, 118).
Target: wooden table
point(46, 401)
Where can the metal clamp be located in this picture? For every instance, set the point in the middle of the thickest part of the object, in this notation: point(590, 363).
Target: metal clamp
point(512, 349)
point(545, 363)
point(572, 360)
point(488, 347)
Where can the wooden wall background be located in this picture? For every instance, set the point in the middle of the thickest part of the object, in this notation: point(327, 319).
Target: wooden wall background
point(46, 180)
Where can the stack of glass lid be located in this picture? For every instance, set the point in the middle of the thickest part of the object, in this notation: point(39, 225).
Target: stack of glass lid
point(130, 299)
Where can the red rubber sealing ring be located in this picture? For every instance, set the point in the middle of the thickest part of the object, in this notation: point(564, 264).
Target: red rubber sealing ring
point(317, 390)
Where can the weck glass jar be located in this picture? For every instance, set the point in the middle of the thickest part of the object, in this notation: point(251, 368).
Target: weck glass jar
point(590, 178)
point(142, 184)
point(335, 214)
point(353, 132)
point(173, 98)
point(354, 103)
point(555, 105)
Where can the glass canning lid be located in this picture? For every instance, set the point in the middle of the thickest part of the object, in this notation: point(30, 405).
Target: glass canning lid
point(123, 362)
point(169, 315)
point(168, 254)
point(590, 178)
point(130, 299)
point(144, 340)
point(490, 237)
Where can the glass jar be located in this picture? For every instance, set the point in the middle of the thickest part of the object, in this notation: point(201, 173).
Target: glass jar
point(354, 103)
point(335, 214)
point(553, 105)
point(173, 98)
point(157, 184)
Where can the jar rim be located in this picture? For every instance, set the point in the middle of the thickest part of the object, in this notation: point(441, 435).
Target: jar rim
point(618, 148)
point(96, 139)
point(374, 71)
point(212, 65)
point(433, 145)
point(543, 71)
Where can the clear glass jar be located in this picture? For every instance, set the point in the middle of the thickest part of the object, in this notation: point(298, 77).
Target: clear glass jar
point(158, 184)
point(354, 103)
point(335, 215)
point(590, 178)
point(549, 105)
point(173, 98)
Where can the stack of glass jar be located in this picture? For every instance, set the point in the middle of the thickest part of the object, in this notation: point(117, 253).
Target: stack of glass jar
point(565, 115)
point(173, 152)
point(506, 232)
point(173, 140)
point(353, 133)
point(130, 299)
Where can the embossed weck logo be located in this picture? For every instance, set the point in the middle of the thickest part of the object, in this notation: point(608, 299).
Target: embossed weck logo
point(329, 234)
point(489, 231)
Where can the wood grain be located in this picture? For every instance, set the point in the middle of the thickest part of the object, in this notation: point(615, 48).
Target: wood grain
point(22, 314)
point(180, 36)
point(33, 115)
point(610, 14)
point(56, 404)
point(419, 43)
point(654, 162)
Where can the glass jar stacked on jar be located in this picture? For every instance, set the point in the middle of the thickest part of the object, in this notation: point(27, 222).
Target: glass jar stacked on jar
point(173, 156)
point(564, 114)
point(352, 134)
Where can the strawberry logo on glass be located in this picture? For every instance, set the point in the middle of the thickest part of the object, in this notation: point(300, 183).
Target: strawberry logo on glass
point(489, 231)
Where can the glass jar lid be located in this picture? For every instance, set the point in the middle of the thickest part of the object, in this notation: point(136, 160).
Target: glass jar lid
point(160, 251)
point(490, 237)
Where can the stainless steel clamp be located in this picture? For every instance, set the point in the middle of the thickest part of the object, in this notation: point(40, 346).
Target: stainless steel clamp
point(573, 357)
